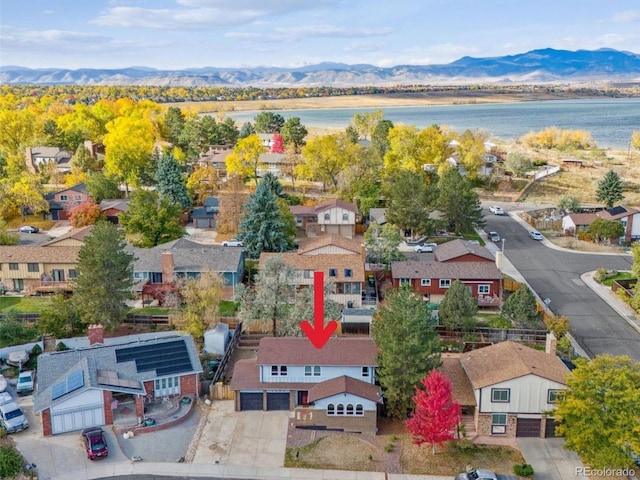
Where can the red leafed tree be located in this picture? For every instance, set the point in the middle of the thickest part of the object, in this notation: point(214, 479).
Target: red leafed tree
point(87, 213)
point(436, 413)
point(278, 143)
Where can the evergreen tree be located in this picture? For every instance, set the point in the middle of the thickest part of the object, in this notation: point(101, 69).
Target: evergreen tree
point(521, 307)
point(610, 189)
point(170, 181)
point(151, 220)
point(411, 197)
point(268, 122)
point(105, 277)
point(458, 307)
point(246, 130)
point(459, 203)
point(263, 227)
point(174, 122)
point(272, 183)
point(294, 133)
point(380, 137)
point(101, 187)
point(408, 347)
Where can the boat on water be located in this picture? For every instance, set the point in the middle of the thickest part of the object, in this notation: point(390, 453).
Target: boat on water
point(18, 358)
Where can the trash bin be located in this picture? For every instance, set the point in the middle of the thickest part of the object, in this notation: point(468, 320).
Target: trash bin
point(372, 281)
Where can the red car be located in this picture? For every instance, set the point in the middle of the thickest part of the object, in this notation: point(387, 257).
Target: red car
point(94, 443)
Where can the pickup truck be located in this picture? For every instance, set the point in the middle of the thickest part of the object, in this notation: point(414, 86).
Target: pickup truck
point(12, 418)
point(496, 210)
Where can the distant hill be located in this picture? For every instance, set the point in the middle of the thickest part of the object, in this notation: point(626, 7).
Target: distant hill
point(537, 66)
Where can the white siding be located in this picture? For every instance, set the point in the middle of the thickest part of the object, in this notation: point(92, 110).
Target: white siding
point(336, 215)
point(527, 394)
point(344, 398)
point(89, 397)
point(295, 374)
point(635, 227)
point(78, 412)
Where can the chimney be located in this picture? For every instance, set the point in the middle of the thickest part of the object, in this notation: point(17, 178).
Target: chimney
point(167, 267)
point(96, 334)
point(551, 344)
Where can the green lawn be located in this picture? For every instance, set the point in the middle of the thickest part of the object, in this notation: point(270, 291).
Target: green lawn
point(620, 276)
point(25, 304)
point(228, 308)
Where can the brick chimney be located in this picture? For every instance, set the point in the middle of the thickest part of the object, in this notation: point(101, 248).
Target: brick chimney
point(551, 344)
point(167, 267)
point(96, 334)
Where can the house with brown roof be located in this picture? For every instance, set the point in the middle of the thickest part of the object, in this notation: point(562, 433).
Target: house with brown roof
point(575, 222)
point(112, 208)
point(509, 387)
point(462, 251)
point(63, 201)
point(630, 219)
point(336, 217)
point(433, 279)
point(37, 157)
point(216, 156)
point(73, 238)
point(331, 387)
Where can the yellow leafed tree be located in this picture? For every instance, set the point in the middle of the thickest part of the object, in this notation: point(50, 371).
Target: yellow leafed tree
point(245, 159)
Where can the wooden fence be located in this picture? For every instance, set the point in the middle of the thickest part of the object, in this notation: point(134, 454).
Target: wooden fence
point(493, 335)
point(224, 362)
point(220, 391)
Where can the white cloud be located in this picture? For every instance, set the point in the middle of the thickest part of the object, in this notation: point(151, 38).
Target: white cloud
point(628, 16)
point(47, 12)
point(335, 31)
point(363, 47)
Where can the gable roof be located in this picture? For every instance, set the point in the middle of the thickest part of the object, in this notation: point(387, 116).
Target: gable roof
point(322, 263)
point(582, 218)
point(78, 234)
point(49, 152)
point(38, 254)
point(121, 204)
point(336, 203)
point(461, 388)
point(452, 270)
point(345, 384)
point(302, 210)
point(616, 213)
point(338, 351)
point(508, 360)
point(458, 248)
point(120, 368)
point(314, 243)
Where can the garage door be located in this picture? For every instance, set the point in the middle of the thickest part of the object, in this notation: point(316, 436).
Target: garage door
point(550, 428)
point(250, 401)
point(77, 419)
point(528, 427)
point(277, 401)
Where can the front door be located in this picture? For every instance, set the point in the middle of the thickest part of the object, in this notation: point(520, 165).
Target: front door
point(58, 275)
point(303, 397)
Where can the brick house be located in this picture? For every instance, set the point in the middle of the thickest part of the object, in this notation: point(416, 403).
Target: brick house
point(76, 388)
point(332, 387)
point(62, 201)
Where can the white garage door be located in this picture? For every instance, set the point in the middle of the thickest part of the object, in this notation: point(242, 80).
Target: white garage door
point(77, 419)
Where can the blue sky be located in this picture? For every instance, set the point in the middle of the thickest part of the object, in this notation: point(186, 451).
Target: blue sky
point(176, 34)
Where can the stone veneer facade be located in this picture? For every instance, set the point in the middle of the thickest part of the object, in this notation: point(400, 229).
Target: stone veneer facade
point(483, 425)
point(309, 417)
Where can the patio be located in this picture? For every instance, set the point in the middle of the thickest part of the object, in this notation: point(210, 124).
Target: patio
point(158, 413)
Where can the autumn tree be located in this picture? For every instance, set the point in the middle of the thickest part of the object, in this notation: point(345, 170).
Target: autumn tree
point(471, 151)
point(610, 189)
point(201, 303)
point(245, 159)
point(634, 142)
point(7, 237)
point(151, 220)
point(403, 360)
point(598, 414)
point(102, 187)
point(202, 183)
point(87, 213)
point(105, 277)
point(568, 203)
point(365, 123)
point(521, 308)
point(412, 149)
point(360, 180)
point(517, 163)
point(278, 143)
point(382, 243)
point(84, 161)
point(294, 133)
point(22, 195)
point(170, 182)
point(325, 157)
point(436, 413)
point(458, 308)
point(232, 200)
point(411, 197)
point(268, 122)
point(459, 202)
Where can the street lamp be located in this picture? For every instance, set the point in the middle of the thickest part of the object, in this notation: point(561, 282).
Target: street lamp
point(502, 246)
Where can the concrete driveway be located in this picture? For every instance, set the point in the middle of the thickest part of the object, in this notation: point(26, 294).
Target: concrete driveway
point(242, 439)
point(549, 459)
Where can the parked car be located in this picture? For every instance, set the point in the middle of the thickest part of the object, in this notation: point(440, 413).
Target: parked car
point(28, 229)
point(494, 237)
point(536, 235)
point(95, 443)
point(3, 383)
point(12, 418)
point(25, 383)
point(477, 474)
point(496, 210)
point(425, 247)
point(234, 242)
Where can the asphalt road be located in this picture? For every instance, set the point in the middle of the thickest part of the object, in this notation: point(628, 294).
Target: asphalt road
point(555, 275)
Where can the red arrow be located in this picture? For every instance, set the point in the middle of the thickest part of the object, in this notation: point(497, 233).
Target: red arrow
point(318, 333)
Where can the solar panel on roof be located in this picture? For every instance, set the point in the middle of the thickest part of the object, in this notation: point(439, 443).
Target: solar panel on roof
point(72, 382)
point(165, 358)
point(58, 390)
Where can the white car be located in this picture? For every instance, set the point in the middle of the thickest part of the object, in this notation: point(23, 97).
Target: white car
point(496, 210)
point(28, 229)
point(494, 237)
point(425, 247)
point(477, 474)
point(536, 235)
point(234, 242)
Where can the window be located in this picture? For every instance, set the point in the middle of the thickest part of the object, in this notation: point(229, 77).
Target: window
point(279, 370)
point(365, 371)
point(445, 282)
point(315, 371)
point(349, 409)
point(333, 272)
point(73, 273)
point(425, 282)
point(340, 409)
point(327, 216)
point(484, 289)
point(359, 409)
point(500, 395)
point(33, 267)
point(64, 198)
point(405, 281)
point(345, 217)
point(498, 423)
point(331, 409)
point(554, 395)
point(13, 266)
point(307, 274)
point(348, 273)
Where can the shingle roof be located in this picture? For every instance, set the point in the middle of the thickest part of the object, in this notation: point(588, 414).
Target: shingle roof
point(302, 209)
point(331, 239)
point(38, 254)
point(121, 204)
point(582, 218)
point(338, 351)
point(336, 203)
point(616, 212)
point(78, 234)
point(345, 384)
point(461, 388)
point(246, 376)
point(452, 270)
point(55, 366)
point(48, 152)
point(508, 360)
point(457, 248)
point(323, 263)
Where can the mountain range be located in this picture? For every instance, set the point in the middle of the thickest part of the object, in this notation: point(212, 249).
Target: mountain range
point(536, 66)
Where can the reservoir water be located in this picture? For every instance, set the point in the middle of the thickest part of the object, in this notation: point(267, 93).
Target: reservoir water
point(609, 121)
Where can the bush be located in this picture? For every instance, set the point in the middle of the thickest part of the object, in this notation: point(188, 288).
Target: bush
point(524, 470)
point(388, 447)
point(10, 462)
point(500, 322)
